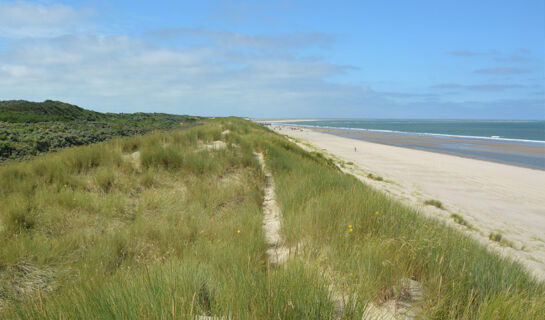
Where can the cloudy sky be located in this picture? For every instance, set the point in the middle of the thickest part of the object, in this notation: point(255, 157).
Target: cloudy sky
point(361, 59)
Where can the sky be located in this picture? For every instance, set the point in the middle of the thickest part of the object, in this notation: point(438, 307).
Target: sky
point(280, 59)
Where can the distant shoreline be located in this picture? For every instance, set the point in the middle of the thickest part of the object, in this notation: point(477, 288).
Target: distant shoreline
point(439, 127)
point(492, 138)
point(527, 154)
point(285, 120)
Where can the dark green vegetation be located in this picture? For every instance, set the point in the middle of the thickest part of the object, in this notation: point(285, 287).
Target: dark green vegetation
point(32, 128)
point(145, 227)
point(27, 112)
point(436, 203)
point(375, 177)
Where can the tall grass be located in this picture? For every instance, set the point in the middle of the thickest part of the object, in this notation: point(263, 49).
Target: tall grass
point(389, 242)
point(154, 242)
point(146, 227)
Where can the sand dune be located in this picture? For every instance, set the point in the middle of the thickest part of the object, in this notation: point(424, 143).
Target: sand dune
point(492, 197)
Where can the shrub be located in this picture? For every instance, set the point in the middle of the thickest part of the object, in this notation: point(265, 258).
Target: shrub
point(6, 149)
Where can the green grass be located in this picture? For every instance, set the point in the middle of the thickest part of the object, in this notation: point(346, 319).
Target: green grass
point(89, 232)
point(28, 129)
point(319, 203)
point(500, 239)
point(494, 236)
point(436, 203)
point(460, 220)
point(375, 177)
point(28, 112)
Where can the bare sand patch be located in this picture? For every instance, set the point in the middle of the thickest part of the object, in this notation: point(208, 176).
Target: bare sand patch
point(277, 252)
point(133, 158)
point(214, 145)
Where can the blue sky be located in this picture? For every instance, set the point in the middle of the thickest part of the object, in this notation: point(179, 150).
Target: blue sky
point(362, 59)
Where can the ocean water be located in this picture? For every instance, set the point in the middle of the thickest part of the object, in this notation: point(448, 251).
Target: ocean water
point(520, 143)
point(493, 129)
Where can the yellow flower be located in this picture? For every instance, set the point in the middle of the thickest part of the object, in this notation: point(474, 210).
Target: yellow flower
point(65, 186)
point(238, 231)
point(350, 229)
point(493, 237)
point(350, 226)
point(376, 213)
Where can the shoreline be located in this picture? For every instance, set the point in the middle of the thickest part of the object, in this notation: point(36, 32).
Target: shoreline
point(489, 196)
point(279, 121)
point(522, 154)
point(419, 134)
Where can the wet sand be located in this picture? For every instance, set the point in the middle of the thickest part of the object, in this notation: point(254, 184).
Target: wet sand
point(525, 154)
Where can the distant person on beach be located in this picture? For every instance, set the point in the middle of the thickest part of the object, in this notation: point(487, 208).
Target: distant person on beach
point(355, 150)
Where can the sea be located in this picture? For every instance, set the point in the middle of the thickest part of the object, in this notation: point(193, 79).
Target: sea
point(514, 142)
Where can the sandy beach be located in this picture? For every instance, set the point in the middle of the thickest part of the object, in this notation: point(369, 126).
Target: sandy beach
point(492, 197)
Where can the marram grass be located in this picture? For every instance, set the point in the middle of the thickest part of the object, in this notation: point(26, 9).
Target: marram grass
point(161, 227)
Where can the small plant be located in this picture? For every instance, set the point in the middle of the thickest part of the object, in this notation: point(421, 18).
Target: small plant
point(460, 220)
point(435, 203)
point(494, 236)
point(374, 177)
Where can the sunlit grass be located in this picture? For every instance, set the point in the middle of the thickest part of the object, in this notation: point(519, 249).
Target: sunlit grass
point(156, 226)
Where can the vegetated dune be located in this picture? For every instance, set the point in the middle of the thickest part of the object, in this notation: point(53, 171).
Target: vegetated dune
point(28, 129)
point(156, 226)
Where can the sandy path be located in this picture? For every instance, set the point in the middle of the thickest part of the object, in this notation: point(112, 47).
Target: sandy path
point(272, 217)
point(278, 253)
point(493, 197)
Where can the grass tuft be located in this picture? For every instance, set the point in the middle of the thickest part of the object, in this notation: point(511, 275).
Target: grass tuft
point(494, 236)
point(105, 179)
point(460, 220)
point(436, 203)
point(20, 216)
point(375, 177)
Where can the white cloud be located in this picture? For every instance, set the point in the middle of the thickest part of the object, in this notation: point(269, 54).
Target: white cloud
point(50, 55)
point(133, 74)
point(263, 42)
point(124, 74)
point(24, 19)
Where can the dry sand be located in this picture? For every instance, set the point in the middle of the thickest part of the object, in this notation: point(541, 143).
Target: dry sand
point(272, 216)
point(492, 197)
